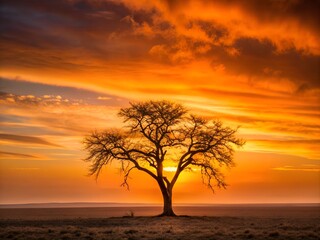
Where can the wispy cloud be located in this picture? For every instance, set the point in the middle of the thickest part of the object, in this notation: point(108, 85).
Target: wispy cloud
point(299, 168)
point(16, 155)
point(26, 139)
point(33, 100)
point(103, 98)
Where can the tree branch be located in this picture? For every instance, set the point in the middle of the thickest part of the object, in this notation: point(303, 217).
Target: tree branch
point(159, 130)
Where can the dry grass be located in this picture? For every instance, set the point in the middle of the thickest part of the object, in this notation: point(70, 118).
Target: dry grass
point(162, 228)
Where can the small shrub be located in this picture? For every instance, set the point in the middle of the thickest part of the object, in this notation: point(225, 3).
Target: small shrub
point(129, 214)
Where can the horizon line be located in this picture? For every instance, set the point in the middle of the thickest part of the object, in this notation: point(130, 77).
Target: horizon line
point(141, 204)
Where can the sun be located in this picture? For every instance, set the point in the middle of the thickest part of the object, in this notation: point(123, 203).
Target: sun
point(170, 169)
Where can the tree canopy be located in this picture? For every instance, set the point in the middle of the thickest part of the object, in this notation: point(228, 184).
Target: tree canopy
point(160, 131)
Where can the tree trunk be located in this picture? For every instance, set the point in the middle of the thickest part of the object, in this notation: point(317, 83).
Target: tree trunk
point(167, 202)
point(167, 206)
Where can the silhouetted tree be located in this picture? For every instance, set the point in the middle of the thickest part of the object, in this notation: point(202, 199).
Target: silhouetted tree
point(160, 131)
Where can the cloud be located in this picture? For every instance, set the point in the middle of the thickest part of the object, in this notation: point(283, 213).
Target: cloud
point(241, 36)
point(299, 147)
point(21, 89)
point(258, 58)
point(53, 115)
point(313, 168)
point(104, 98)
point(245, 19)
point(16, 155)
point(33, 100)
point(266, 42)
point(252, 64)
point(26, 139)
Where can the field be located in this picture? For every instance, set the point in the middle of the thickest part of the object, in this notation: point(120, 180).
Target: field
point(202, 222)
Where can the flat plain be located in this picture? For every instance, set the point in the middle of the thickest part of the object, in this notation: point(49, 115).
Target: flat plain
point(138, 222)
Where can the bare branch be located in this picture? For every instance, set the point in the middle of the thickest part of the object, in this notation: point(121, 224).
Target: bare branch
point(126, 171)
point(107, 146)
point(158, 131)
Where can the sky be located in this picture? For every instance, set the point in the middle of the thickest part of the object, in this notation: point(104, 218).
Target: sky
point(68, 66)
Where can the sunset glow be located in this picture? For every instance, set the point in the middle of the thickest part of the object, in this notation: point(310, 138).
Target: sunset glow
point(68, 66)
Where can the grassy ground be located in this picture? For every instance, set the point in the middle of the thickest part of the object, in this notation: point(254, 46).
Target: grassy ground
point(131, 228)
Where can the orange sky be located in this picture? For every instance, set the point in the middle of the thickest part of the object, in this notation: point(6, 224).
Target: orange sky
point(68, 66)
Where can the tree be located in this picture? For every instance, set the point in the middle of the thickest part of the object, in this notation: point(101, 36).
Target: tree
point(162, 131)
